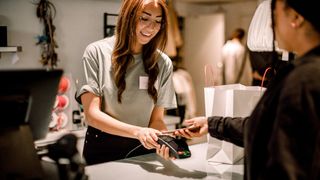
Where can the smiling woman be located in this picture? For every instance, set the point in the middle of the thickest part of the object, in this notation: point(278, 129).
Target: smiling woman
point(145, 21)
point(128, 85)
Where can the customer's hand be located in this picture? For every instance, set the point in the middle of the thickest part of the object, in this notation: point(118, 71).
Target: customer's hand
point(201, 122)
point(148, 137)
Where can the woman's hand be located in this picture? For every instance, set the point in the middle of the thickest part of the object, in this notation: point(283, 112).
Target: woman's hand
point(148, 137)
point(163, 151)
point(201, 122)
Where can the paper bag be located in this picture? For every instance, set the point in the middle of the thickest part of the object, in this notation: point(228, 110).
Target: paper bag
point(234, 100)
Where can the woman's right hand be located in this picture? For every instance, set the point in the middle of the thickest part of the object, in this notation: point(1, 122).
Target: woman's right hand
point(148, 137)
point(201, 122)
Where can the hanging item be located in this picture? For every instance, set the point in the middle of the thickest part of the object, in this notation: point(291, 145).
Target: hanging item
point(46, 11)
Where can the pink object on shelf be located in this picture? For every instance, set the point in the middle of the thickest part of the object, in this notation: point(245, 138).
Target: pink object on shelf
point(64, 85)
point(62, 102)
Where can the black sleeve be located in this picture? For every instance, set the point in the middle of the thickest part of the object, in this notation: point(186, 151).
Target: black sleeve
point(227, 128)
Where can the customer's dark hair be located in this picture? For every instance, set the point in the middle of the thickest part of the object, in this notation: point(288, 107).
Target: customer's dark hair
point(309, 9)
point(274, 52)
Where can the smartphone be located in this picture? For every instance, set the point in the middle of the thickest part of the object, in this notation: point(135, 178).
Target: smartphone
point(190, 128)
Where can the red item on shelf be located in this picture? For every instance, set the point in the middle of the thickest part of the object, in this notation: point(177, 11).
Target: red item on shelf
point(62, 102)
point(64, 85)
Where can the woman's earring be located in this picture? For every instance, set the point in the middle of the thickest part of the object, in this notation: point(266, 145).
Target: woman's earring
point(297, 22)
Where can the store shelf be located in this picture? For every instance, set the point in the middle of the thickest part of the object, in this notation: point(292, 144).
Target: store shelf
point(10, 49)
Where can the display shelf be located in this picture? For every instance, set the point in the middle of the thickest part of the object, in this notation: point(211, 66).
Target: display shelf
point(10, 49)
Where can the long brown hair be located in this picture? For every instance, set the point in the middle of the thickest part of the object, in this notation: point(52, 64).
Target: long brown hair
point(126, 38)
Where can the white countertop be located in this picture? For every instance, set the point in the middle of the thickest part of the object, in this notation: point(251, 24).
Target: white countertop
point(151, 166)
point(52, 137)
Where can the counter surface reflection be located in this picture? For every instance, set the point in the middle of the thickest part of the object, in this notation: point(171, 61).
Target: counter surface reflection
point(151, 166)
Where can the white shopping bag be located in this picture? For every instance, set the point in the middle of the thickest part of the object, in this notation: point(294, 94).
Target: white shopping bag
point(234, 100)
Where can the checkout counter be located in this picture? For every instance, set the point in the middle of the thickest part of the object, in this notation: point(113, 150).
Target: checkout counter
point(151, 166)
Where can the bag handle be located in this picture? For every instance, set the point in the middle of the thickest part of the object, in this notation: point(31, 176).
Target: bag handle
point(208, 75)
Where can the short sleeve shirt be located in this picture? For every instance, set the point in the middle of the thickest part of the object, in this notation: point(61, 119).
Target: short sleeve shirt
point(136, 106)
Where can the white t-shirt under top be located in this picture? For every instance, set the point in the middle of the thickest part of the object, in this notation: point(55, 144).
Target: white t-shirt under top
point(137, 105)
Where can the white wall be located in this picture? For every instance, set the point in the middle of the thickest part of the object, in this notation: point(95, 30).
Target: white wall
point(202, 47)
point(236, 14)
point(197, 55)
point(78, 23)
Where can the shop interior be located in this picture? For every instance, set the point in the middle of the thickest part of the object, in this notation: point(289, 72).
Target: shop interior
point(198, 32)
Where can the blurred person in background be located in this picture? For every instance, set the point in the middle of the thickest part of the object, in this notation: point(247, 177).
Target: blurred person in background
point(281, 137)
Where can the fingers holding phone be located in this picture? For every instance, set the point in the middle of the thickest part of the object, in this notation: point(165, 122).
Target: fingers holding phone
point(198, 127)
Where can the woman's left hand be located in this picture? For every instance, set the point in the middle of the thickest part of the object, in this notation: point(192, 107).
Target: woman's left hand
point(163, 151)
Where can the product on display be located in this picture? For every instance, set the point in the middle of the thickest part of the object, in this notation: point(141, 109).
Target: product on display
point(59, 121)
point(64, 85)
point(62, 102)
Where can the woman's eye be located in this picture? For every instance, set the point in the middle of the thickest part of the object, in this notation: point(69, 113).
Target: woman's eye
point(144, 19)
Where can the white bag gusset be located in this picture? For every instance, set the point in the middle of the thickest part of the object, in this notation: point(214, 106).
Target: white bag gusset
point(234, 100)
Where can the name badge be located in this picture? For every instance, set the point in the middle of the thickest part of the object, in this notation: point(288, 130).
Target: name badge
point(143, 82)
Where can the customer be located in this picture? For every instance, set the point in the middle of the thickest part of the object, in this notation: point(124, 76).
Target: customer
point(128, 85)
point(282, 136)
point(233, 57)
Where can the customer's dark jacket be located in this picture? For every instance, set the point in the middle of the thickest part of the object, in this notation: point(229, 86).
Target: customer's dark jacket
point(282, 135)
